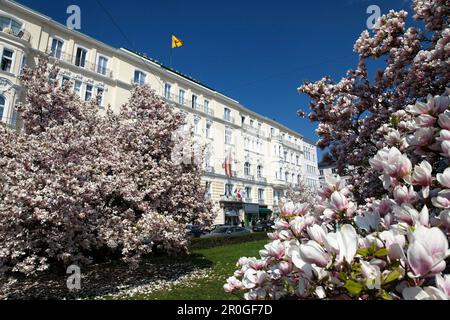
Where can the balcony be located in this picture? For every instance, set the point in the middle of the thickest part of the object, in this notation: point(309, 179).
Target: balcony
point(230, 199)
point(229, 119)
point(253, 130)
point(93, 67)
point(248, 200)
point(188, 104)
point(22, 34)
point(262, 179)
point(261, 202)
point(249, 177)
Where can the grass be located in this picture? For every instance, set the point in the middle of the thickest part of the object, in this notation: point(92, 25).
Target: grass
point(222, 260)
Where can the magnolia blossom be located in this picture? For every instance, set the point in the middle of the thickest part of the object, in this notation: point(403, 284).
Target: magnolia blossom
point(427, 250)
point(444, 178)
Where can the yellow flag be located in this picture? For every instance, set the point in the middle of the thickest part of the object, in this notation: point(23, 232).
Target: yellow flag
point(176, 43)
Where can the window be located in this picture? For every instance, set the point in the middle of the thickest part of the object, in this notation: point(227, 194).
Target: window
point(194, 101)
point(88, 93)
point(297, 160)
point(228, 189)
point(197, 125)
point(321, 172)
point(8, 23)
point(261, 194)
point(286, 176)
point(228, 136)
point(208, 130)
point(281, 174)
point(57, 46)
point(181, 96)
point(7, 60)
point(167, 89)
point(80, 57)
point(102, 66)
point(23, 63)
point(334, 170)
point(139, 77)
point(299, 179)
point(206, 106)
point(77, 87)
point(2, 106)
point(64, 80)
point(100, 92)
point(259, 171)
point(293, 178)
point(272, 132)
point(227, 114)
point(242, 120)
point(248, 193)
point(285, 156)
point(259, 126)
point(208, 189)
point(251, 123)
point(247, 168)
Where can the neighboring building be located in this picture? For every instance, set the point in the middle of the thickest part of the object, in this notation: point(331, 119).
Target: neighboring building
point(328, 168)
point(265, 156)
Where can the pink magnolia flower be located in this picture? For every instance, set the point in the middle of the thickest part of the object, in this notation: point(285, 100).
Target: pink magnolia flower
point(275, 249)
point(347, 239)
point(317, 234)
point(442, 200)
point(312, 252)
point(403, 194)
point(444, 120)
point(443, 284)
point(372, 275)
point(233, 284)
point(444, 178)
point(427, 250)
point(428, 293)
point(398, 165)
point(253, 278)
point(422, 174)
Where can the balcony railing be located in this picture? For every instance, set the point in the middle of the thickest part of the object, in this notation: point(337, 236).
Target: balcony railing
point(249, 177)
point(253, 130)
point(22, 34)
point(188, 104)
point(69, 58)
point(262, 179)
point(229, 119)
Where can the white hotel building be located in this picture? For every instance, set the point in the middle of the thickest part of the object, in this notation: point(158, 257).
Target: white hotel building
point(267, 156)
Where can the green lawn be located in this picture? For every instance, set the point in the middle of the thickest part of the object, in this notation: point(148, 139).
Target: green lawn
point(222, 260)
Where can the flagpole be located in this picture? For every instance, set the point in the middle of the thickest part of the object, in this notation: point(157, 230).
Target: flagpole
point(171, 50)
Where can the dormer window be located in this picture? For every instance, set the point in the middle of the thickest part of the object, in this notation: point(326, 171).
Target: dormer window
point(11, 24)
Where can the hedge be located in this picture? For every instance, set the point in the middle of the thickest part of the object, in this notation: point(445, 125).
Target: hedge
point(204, 243)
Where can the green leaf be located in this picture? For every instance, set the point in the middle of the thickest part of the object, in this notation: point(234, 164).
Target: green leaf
point(385, 296)
point(363, 252)
point(394, 275)
point(342, 276)
point(353, 287)
point(383, 252)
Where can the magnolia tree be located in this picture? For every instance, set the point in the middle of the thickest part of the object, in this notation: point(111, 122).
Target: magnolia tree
point(394, 245)
point(350, 111)
point(75, 182)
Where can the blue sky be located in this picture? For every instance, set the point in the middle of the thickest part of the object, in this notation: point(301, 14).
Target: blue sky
point(257, 52)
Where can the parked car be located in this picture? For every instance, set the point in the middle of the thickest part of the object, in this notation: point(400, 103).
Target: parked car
point(194, 231)
point(262, 226)
point(227, 231)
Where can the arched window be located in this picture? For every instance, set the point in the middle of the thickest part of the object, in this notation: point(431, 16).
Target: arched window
point(259, 171)
point(247, 168)
point(2, 106)
point(8, 23)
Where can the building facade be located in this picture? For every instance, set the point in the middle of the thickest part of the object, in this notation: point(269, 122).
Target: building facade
point(265, 156)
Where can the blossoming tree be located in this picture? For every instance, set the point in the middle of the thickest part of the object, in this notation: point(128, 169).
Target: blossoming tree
point(395, 245)
point(351, 110)
point(75, 182)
